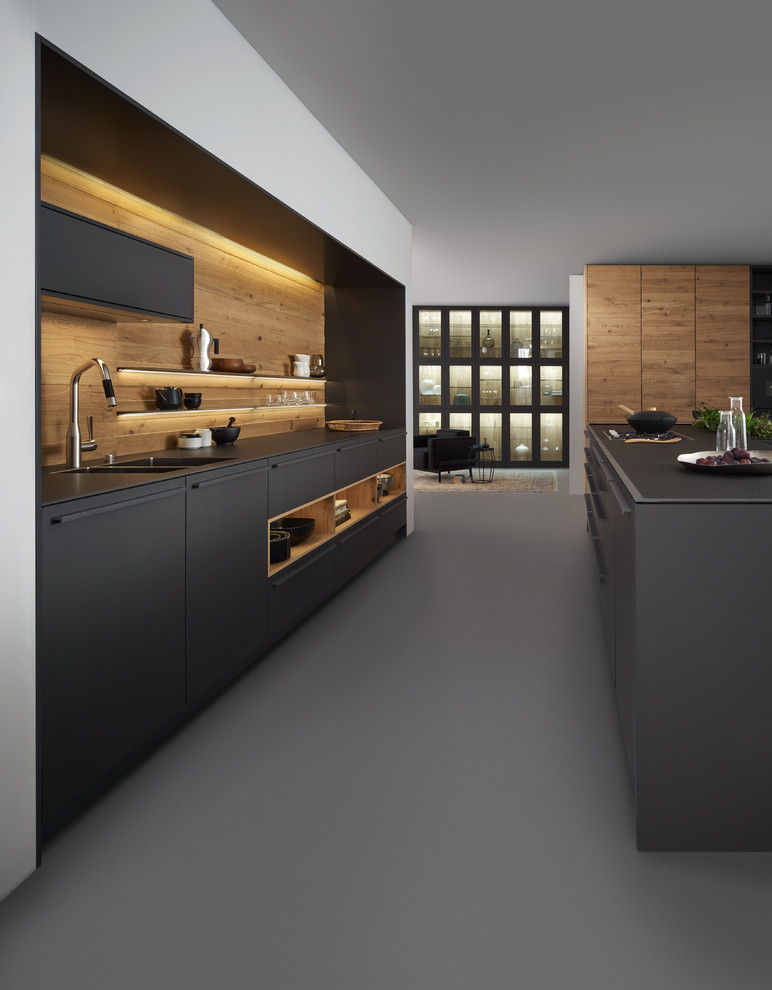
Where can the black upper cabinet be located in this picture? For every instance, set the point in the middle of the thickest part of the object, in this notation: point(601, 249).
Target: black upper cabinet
point(81, 259)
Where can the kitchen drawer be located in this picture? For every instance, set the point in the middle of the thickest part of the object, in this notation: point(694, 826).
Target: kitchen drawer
point(297, 589)
point(81, 259)
point(390, 451)
point(354, 549)
point(390, 523)
point(355, 461)
point(294, 481)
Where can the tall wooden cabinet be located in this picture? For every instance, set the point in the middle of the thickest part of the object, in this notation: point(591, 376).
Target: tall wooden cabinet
point(664, 336)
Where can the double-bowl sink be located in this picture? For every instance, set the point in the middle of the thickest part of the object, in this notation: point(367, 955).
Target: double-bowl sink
point(146, 465)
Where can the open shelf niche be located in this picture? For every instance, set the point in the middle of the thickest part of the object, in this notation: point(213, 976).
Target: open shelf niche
point(362, 501)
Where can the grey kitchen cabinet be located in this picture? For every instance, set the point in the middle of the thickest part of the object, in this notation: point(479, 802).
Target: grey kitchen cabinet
point(226, 589)
point(82, 259)
point(111, 669)
point(691, 677)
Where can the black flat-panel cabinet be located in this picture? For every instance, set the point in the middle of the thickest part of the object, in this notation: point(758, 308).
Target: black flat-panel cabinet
point(389, 451)
point(225, 569)
point(354, 549)
point(112, 641)
point(390, 523)
point(295, 591)
point(84, 260)
point(298, 479)
point(354, 461)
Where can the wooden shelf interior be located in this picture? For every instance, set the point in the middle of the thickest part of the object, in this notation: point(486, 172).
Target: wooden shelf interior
point(362, 501)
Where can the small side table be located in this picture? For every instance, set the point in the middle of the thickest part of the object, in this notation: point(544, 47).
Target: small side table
point(484, 463)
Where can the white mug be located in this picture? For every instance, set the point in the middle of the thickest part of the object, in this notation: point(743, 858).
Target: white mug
point(301, 365)
point(206, 437)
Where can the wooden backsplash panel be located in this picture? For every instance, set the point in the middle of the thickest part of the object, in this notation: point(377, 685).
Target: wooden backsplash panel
point(259, 310)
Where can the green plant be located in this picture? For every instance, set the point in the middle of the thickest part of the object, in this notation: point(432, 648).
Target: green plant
point(757, 426)
point(707, 419)
point(761, 427)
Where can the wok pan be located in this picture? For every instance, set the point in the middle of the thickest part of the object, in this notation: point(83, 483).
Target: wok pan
point(649, 420)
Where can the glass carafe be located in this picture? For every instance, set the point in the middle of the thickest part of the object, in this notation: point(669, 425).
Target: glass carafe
point(738, 421)
point(725, 434)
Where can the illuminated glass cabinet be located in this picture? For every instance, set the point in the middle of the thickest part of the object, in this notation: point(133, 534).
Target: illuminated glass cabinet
point(499, 372)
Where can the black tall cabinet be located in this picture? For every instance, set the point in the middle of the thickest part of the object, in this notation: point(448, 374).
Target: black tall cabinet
point(499, 372)
point(761, 339)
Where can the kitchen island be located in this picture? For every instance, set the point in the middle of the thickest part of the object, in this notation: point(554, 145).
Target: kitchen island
point(682, 563)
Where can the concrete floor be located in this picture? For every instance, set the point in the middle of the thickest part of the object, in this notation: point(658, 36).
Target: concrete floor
point(421, 788)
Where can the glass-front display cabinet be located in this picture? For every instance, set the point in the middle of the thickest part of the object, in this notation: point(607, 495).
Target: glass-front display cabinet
point(499, 372)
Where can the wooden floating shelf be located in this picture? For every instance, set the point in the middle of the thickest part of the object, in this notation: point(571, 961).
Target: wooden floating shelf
point(192, 373)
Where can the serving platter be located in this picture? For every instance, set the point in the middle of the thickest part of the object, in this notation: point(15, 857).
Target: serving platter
point(690, 461)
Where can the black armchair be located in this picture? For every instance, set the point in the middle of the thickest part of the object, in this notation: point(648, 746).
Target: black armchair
point(450, 453)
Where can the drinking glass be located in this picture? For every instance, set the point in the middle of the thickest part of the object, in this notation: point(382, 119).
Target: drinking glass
point(725, 434)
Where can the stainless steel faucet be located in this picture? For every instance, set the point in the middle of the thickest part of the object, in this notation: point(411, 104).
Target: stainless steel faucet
point(76, 446)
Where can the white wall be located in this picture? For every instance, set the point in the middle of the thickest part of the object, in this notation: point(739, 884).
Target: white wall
point(17, 413)
point(185, 62)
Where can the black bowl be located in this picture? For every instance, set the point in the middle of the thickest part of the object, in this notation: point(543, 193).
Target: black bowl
point(224, 435)
point(299, 528)
point(192, 400)
point(279, 546)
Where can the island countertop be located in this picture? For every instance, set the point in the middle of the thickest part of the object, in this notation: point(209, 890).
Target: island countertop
point(651, 471)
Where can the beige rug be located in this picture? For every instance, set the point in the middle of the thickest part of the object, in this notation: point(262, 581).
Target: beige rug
point(504, 480)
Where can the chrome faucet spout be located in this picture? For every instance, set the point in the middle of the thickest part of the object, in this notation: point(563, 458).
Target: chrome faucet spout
point(75, 445)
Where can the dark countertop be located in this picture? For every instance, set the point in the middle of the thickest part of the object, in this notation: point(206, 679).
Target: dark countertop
point(651, 471)
point(58, 486)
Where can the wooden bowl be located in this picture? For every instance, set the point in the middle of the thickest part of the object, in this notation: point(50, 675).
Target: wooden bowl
point(227, 364)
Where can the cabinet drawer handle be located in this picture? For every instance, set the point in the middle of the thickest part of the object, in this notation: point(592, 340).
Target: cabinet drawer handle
point(88, 513)
point(289, 575)
point(624, 508)
point(599, 560)
point(350, 534)
point(590, 478)
point(208, 482)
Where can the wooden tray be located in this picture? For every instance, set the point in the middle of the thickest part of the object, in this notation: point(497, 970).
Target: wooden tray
point(354, 425)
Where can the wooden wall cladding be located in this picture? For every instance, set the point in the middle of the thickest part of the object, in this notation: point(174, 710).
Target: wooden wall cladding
point(259, 310)
point(667, 339)
point(722, 357)
point(613, 327)
point(665, 336)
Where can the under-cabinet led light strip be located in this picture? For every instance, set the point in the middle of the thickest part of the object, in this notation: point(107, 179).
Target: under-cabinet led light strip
point(168, 413)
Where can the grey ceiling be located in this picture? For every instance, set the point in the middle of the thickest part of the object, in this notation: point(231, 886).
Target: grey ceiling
point(526, 139)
